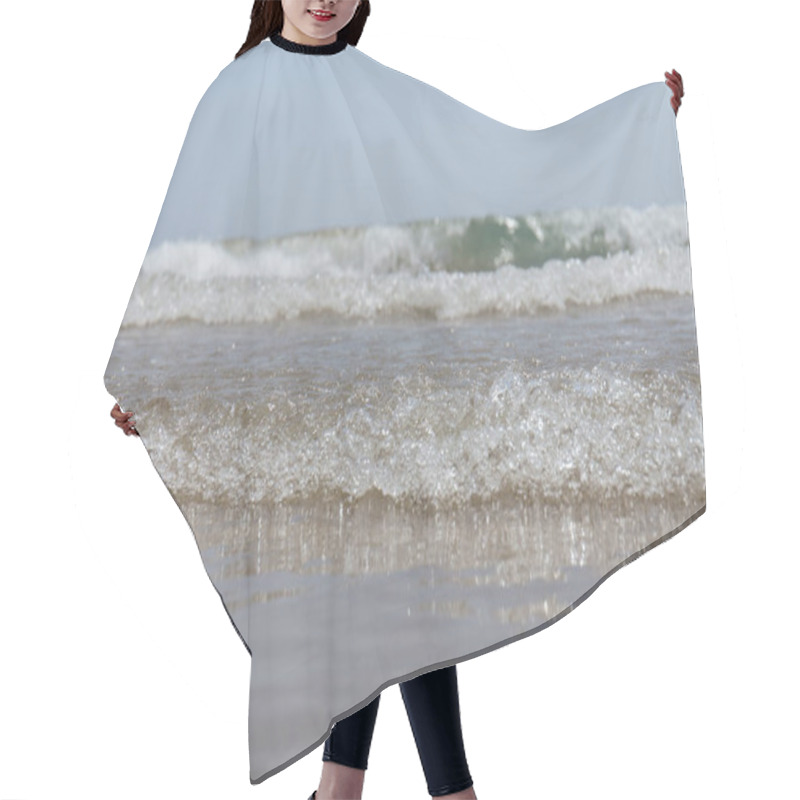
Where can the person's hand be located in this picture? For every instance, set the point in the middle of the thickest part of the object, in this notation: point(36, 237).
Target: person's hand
point(675, 82)
point(122, 419)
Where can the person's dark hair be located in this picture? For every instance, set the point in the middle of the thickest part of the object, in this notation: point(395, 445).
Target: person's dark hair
point(266, 18)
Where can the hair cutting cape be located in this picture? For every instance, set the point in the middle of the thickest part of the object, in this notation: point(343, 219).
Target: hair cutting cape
point(419, 381)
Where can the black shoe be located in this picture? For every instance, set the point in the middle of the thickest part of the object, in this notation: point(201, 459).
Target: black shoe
point(313, 795)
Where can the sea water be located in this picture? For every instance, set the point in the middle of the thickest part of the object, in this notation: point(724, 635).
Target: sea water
point(486, 402)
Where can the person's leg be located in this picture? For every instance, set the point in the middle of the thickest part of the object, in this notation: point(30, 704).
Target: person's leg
point(434, 713)
point(346, 754)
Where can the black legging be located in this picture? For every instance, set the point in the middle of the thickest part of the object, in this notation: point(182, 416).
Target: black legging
point(432, 705)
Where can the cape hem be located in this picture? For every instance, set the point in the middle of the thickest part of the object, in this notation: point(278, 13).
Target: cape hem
point(483, 651)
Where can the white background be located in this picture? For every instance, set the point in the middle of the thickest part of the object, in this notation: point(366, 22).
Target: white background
point(120, 673)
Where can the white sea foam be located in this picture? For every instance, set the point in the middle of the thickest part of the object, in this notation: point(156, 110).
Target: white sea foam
point(437, 269)
point(552, 434)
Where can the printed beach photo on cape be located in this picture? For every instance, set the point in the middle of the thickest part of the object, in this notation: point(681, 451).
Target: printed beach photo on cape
point(417, 392)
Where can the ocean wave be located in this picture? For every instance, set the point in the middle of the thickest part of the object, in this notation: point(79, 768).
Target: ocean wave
point(546, 434)
point(444, 269)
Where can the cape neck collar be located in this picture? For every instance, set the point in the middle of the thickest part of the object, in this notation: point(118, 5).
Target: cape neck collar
point(308, 49)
